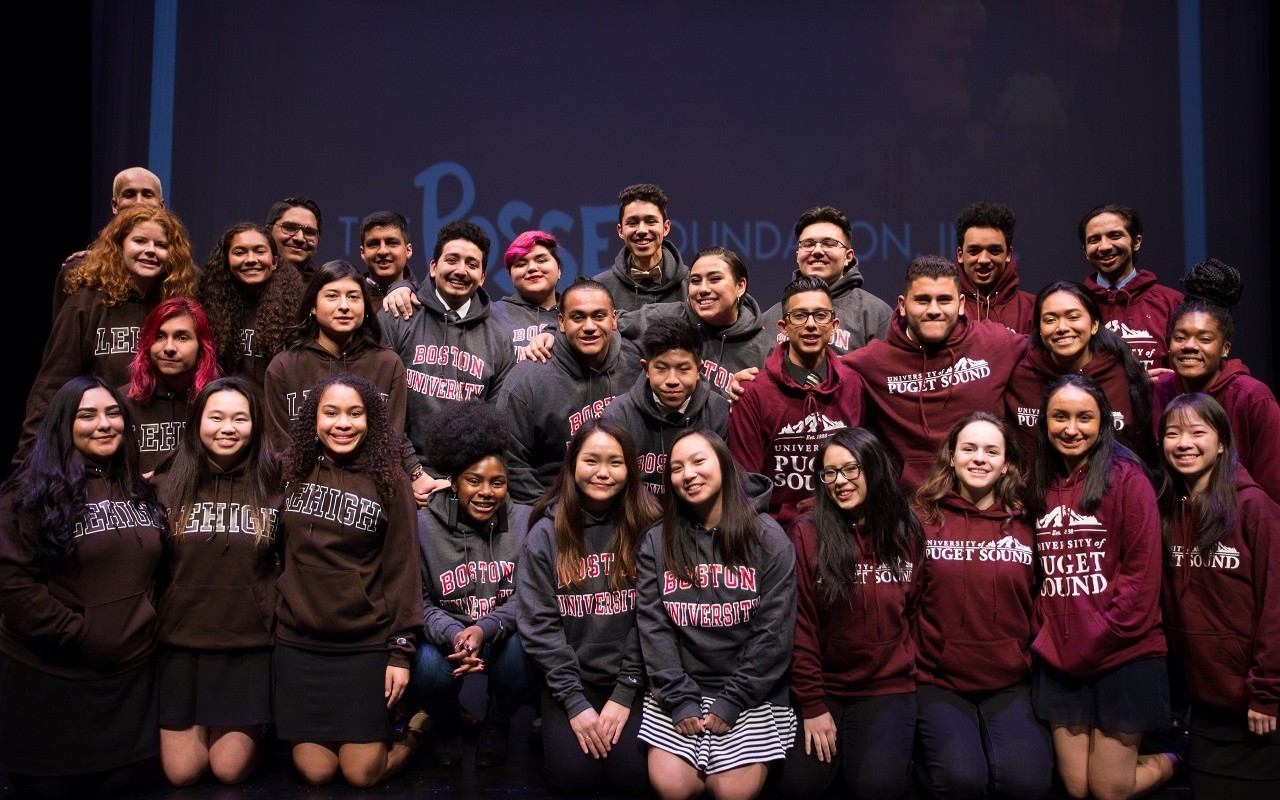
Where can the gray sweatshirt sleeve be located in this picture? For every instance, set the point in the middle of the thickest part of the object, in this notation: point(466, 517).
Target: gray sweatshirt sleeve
point(524, 486)
point(670, 685)
point(541, 629)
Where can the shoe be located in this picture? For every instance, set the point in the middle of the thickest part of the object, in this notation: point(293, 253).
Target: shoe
point(448, 752)
point(491, 746)
point(1177, 753)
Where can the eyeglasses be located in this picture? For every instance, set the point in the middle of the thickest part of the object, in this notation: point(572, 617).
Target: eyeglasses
point(805, 245)
point(293, 229)
point(849, 472)
point(798, 316)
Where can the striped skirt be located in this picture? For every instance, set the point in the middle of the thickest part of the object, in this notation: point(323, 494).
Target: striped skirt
point(760, 734)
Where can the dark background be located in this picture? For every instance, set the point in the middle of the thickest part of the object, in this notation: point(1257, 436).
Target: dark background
point(521, 115)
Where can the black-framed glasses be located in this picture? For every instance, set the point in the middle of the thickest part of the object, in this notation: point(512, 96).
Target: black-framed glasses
point(849, 472)
point(805, 245)
point(294, 228)
point(798, 316)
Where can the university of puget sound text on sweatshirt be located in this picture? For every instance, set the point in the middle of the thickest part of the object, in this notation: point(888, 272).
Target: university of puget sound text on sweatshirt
point(1138, 312)
point(629, 295)
point(862, 315)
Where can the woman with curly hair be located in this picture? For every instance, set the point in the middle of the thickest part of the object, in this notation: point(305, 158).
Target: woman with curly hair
point(576, 585)
point(977, 733)
point(470, 536)
point(350, 593)
point(80, 538)
point(853, 668)
point(174, 361)
point(141, 257)
point(250, 294)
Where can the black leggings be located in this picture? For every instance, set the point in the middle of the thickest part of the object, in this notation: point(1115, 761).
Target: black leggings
point(570, 771)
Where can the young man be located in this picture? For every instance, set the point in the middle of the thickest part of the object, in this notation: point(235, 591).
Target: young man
point(800, 399)
point(533, 260)
point(988, 272)
point(824, 249)
point(451, 347)
point(295, 224)
point(1133, 305)
point(547, 402)
point(385, 249)
point(935, 366)
point(648, 268)
point(668, 397)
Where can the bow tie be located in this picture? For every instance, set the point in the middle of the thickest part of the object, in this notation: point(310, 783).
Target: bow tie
point(653, 274)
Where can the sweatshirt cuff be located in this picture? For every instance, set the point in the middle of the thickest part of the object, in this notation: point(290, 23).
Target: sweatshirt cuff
point(575, 704)
point(494, 630)
point(725, 710)
point(811, 709)
point(624, 691)
point(1269, 709)
point(685, 711)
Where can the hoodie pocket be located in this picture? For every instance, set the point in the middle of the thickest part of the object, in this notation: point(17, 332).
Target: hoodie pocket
point(328, 604)
point(214, 616)
point(117, 630)
point(1077, 643)
point(979, 665)
point(1213, 664)
point(862, 661)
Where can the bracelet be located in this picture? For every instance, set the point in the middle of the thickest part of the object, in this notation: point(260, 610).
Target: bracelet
point(417, 473)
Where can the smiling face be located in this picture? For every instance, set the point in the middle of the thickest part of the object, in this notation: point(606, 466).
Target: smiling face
point(226, 428)
point(482, 488)
point(1066, 329)
point(983, 255)
point(642, 230)
point(599, 472)
point(459, 272)
point(848, 495)
point(587, 319)
point(830, 256)
point(696, 477)
point(673, 376)
point(979, 462)
point(807, 341)
point(98, 428)
point(1197, 348)
point(250, 260)
point(341, 421)
point(535, 276)
point(1073, 421)
point(1109, 247)
point(146, 254)
point(297, 234)
point(713, 292)
point(932, 307)
point(176, 349)
point(385, 251)
point(339, 311)
point(1191, 446)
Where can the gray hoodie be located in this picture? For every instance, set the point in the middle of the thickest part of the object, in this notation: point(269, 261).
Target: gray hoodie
point(863, 316)
point(629, 295)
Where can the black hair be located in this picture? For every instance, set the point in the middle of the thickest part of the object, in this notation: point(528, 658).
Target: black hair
point(826, 214)
point(986, 215)
point(462, 433)
point(584, 284)
point(672, 333)
point(933, 267)
point(468, 231)
point(279, 208)
point(306, 329)
point(384, 219)
point(805, 283)
point(1212, 287)
point(1213, 514)
point(1132, 222)
point(642, 193)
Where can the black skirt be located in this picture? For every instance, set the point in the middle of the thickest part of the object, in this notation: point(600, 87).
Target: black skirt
point(216, 689)
point(331, 695)
point(52, 726)
point(1132, 698)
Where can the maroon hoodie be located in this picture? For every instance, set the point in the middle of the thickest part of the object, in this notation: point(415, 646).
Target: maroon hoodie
point(1005, 304)
point(1099, 601)
point(1036, 369)
point(1222, 609)
point(915, 395)
point(1252, 410)
point(777, 427)
point(977, 587)
point(858, 648)
point(1139, 312)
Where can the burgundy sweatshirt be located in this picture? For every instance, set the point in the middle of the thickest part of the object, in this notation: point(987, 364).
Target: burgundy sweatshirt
point(977, 587)
point(1006, 304)
point(1139, 312)
point(1252, 410)
point(915, 395)
point(858, 648)
point(777, 426)
point(1099, 602)
point(1222, 609)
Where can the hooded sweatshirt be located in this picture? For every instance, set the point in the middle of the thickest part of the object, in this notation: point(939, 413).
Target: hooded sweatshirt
point(1252, 410)
point(546, 403)
point(1222, 609)
point(745, 343)
point(915, 394)
point(726, 634)
point(977, 587)
point(92, 614)
point(89, 337)
point(525, 320)
point(221, 587)
point(1025, 393)
point(1099, 601)
point(468, 569)
point(581, 634)
point(863, 316)
point(1139, 312)
point(1005, 303)
point(777, 427)
point(629, 295)
point(351, 578)
point(654, 427)
point(446, 360)
point(858, 648)
point(158, 424)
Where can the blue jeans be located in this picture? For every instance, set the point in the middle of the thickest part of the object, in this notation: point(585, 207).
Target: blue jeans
point(433, 688)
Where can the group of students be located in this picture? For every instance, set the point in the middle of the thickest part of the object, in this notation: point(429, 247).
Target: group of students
point(186, 558)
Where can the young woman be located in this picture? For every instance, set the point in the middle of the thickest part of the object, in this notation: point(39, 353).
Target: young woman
point(1100, 680)
point(1221, 600)
point(80, 538)
point(1070, 338)
point(141, 257)
point(249, 294)
point(470, 538)
point(853, 669)
point(175, 360)
point(1199, 343)
point(978, 734)
point(576, 584)
point(350, 593)
point(217, 610)
point(715, 589)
